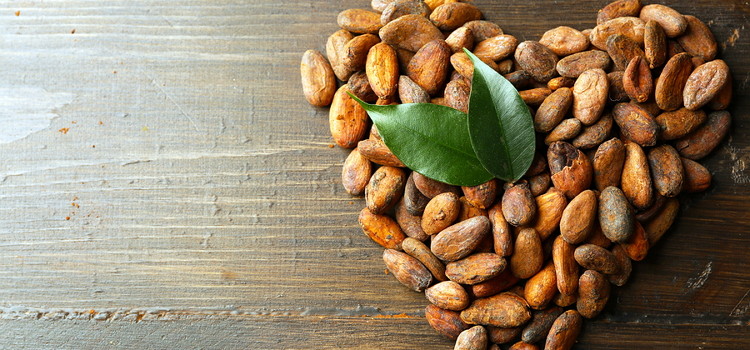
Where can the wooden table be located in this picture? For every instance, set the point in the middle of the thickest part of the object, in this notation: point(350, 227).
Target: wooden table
point(165, 185)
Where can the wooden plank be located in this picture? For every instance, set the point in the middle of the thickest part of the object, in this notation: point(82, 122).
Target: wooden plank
point(198, 182)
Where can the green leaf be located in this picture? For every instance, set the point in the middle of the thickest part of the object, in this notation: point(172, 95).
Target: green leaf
point(430, 139)
point(501, 128)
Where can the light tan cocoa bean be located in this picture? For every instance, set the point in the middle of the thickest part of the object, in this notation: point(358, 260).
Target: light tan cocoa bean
point(448, 295)
point(566, 267)
point(459, 240)
point(441, 212)
point(354, 57)
point(496, 48)
point(564, 41)
point(446, 322)
point(474, 338)
point(519, 207)
point(411, 92)
point(377, 152)
point(564, 331)
point(697, 177)
point(356, 173)
point(400, 8)
point(407, 270)
point(671, 82)
point(459, 39)
point(410, 32)
point(673, 22)
point(318, 79)
point(560, 82)
point(705, 83)
point(457, 95)
point(636, 177)
point(550, 207)
point(385, 189)
point(537, 60)
point(382, 70)
point(431, 188)
point(528, 256)
point(503, 310)
point(483, 30)
point(335, 52)
point(535, 97)
point(590, 94)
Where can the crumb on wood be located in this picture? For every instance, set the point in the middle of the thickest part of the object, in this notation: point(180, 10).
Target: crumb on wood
point(64, 130)
point(18, 13)
point(73, 31)
point(101, 122)
point(331, 146)
point(67, 218)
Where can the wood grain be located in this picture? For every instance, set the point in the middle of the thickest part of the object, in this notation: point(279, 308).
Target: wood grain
point(194, 202)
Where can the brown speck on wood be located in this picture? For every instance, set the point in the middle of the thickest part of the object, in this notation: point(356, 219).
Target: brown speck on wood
point(73, 31)
point(67, 218)
point(64, 130)
point(18, 13)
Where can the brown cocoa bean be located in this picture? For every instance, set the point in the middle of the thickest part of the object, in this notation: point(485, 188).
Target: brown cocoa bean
point(459, 39)
point(706, 138)
point(448, 295)
point(539, 184)
point(457, 95)
point(360, 87)
point(503, 335)
point(519, 207)
point(590, 94)
point(571, 169)
point(359, 21)
point(385, 189)
point(475, 268)
point(593, 294)
point(381, 229)
point(411, 92)
point(636, 179)
point(481, 196)
point(697, 177)
point(410, 32)
point(496, 48)
point(624, 264)
point(673, 22)
point(637, 80)
point(348, 120)
point(459, 240)
point(407, 270)
point(528, 256)
point(671, 82)
point(655, 44)
point(354, 56)
point(637, 246)
point(535, 97)
point(658, 226)
point(593, 257)
point(679, 123)
point(540, 324)
point(421, 252)
point(483, 30)
point(620, 8)
point(378, 153)
point(617, 91)
point(636, 124)
point(520, 79)
point(537, 60)
point(608, 164)
point(579, 218)
point(574, 65)
point(566, 130)
point(566, 267)
point(429, 67)
point(553, 110)
point(564, 331)
point(318, 79)
point(494, 285)
point(410, 224)
point(592, 136)
point(615, 215)
point(450, 16)
point(441, 212)
point(723, 97)
point(356, 173)
point(698, 40)
point(704, 84)
point(431, 188)
point(666, 170)
point(564, 41)
point(622, 50)
point(474, 338)
point(550, 207)
point(523, 346)
point(631, 27)
point(541, 288)
point(400, 8)
point(503, 310)
point(446, 322)
point(560, 82)
point(501, 233)
point(382, 70)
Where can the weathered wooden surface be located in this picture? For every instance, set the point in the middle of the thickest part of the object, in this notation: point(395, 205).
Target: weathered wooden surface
point(193, 201)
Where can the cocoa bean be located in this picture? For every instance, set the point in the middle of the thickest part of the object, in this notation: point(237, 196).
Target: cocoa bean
point(537, 60)
point(407, 270)
point(706, 138)
point(564, 41)
point(590, 94)
point(448, 295)
point(593, 294)
point(503, 310)
point(348, 120)
point(593, 257)
point(421, 252)
point(475, 268)
point(459, 240)
point(566, 267)
point(446, 322)
point(615, 215)
point(429, 66)
point(579, 218)
point(519, 207)
point(666, 170)
point(574, 65)
point(528, 256)
point(441, 212)
point(356, 173)
point(564, 331)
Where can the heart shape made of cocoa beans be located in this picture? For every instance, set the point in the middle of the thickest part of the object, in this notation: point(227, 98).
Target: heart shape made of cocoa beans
point(623, 113)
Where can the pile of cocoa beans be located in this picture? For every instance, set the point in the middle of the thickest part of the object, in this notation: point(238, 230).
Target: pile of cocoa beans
point(623, 113)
